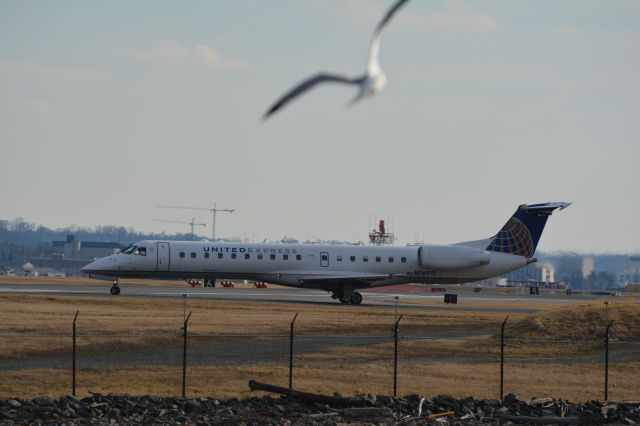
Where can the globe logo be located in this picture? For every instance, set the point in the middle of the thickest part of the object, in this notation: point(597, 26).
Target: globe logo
point(514, 238)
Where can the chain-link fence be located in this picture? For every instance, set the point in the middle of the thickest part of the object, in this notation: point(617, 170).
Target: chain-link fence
point(197, 357)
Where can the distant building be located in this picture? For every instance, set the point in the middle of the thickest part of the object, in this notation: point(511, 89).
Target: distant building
point(526, 273)
point(75, 249)
point(29, 270)
point(381, 236)
point(587, 266)
point(631, 272)
point(547, 273)
point(71, 255)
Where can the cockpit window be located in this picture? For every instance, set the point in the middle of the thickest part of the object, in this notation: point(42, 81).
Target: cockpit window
point(129, 249)
point(132, 249)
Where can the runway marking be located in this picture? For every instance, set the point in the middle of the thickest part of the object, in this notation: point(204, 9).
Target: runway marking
point(20, 290)
point(295, 294)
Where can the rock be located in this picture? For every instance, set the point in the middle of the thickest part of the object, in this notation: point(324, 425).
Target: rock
point(42, 401)
point(367, 412)
point(109, 409)
point(540, 401)
point(191, 405)
point(7, 415)
point(14, 403)
point(383, 399)
point(511, 398)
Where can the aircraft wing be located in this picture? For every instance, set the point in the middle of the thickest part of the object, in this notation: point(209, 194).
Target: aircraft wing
point(358, 280)
point(363, 280)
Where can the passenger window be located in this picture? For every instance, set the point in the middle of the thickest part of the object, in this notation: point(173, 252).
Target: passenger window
point(181, 254)
point(378, 259)
point(403, 259)
point(234, 255)
point(247, 256)
point(285, 257)
point(339, 258)
point(220, 255)
point(272, 257)
point(365, 258)
point(298, 257)
point(193, 254)
point(352, 258)
point(206, 255)
point(324, 258)
point(259, 256)
point(390, 259)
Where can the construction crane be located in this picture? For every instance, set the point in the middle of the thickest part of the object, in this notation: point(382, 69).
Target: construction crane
point(213, 212)
point(193, 223)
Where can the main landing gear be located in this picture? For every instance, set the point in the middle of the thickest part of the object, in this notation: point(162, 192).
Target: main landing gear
point(354, 298)
point(115, 290)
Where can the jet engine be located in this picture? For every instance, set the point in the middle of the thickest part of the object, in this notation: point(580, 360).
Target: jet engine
point(451, 257)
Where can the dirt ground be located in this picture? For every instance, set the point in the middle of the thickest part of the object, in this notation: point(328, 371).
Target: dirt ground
point(133, 345)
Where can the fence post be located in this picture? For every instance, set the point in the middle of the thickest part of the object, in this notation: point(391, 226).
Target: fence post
point(395, 356)
point(73, 362)
point(291, 352)
point(606, 362)
point(502, 357)
point(184, 355)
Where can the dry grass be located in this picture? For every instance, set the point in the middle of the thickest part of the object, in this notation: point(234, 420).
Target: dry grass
point(582, 322)
point(577, 382)
point(148, 320)
point(430, 367)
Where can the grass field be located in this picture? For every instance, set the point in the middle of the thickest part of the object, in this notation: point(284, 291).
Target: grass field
point(579, 382)
point(460, 358)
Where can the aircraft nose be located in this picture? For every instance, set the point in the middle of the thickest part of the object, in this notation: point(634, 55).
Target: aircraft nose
point(87, 269)
point(96, 266)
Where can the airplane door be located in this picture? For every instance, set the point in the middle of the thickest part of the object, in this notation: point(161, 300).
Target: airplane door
point(163, 257)
point(324, 259)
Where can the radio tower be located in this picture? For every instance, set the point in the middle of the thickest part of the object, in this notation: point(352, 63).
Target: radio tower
point(381, 236)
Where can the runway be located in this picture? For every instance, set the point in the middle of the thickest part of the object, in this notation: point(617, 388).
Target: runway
point(287, 295)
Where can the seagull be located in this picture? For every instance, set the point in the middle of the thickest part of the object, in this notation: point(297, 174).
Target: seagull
point(372, 82)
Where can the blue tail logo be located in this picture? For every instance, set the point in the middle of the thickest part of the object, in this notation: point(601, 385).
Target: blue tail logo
point(520, 235)
point(514, 238)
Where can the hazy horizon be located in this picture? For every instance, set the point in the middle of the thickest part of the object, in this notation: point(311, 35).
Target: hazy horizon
point(237, 238)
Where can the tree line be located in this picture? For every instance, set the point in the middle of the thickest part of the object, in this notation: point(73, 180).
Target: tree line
point(20, 232)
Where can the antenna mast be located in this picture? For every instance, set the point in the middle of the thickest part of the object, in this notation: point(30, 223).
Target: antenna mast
point(381, 236)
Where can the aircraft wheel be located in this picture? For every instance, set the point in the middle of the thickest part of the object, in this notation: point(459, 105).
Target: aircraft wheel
point(115, 290)
point(356, 299)
point(345, 299)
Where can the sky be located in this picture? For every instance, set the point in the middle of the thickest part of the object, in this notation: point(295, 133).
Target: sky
point(109, 109)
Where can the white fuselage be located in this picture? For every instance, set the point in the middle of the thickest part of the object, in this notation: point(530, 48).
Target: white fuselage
point(307, 265)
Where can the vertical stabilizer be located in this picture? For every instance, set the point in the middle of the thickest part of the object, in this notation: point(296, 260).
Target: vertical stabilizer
point(520, 235)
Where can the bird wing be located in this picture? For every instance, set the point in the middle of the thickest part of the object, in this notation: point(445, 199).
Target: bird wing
point(307, 85)
point(374, 65)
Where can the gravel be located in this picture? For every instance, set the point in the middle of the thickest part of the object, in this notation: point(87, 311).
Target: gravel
point(100, 409)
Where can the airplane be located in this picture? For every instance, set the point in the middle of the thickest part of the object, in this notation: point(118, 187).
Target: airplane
point(338, 269)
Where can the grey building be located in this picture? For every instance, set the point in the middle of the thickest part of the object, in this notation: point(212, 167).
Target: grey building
point(74, 249)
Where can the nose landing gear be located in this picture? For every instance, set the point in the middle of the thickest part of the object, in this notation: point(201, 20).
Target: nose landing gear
point(115, 290)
